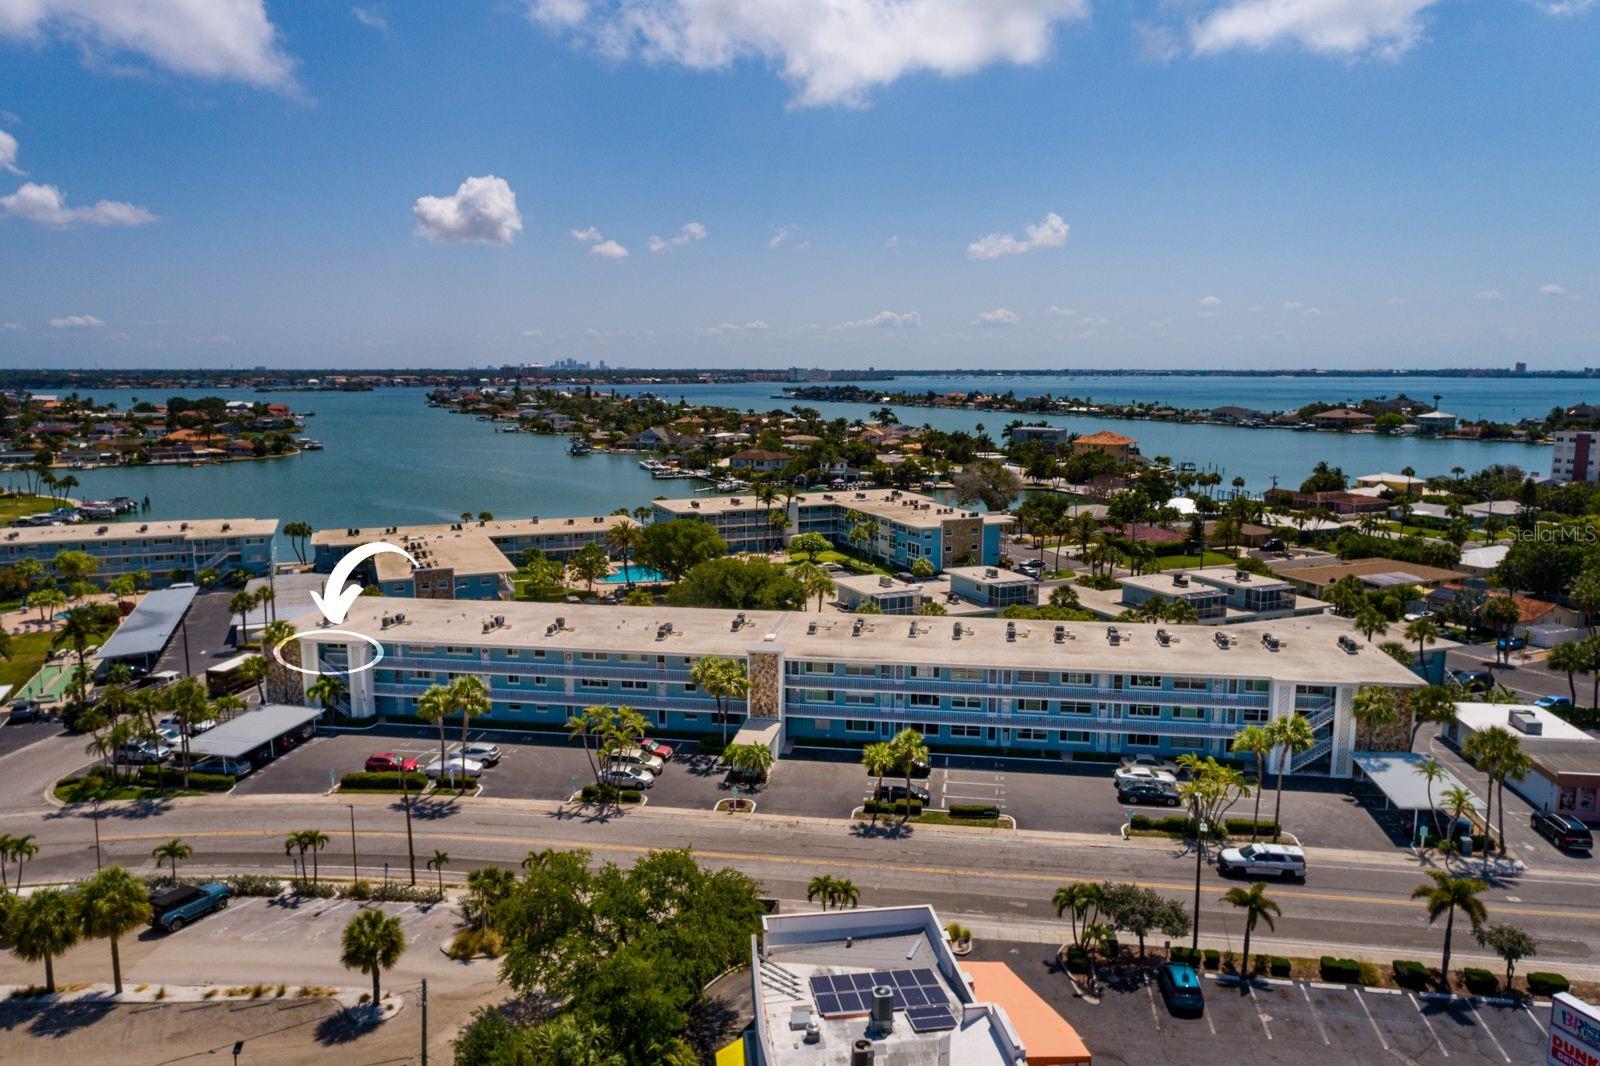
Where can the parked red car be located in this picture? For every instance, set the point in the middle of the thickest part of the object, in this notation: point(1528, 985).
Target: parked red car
point(656, 748)
point(388, 760)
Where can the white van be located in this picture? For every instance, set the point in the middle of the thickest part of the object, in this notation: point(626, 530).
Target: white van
point(1264, 860)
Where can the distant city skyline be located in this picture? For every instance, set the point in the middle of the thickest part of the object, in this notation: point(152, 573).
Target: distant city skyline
point(661, 183)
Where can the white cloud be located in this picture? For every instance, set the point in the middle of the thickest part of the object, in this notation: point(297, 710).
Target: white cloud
point(371, 17)
point(1397, 301)
point(779, 235)
point(1000, 316)
point(1056, 311)
point(1303, 308)
point(724, 329)
point(8, 153)
point(586, 235)
point(831, 53)
point(47, 205)
point(885, 320)
point(1049, 232)
point(1563, 7)
point(227, 40)
point(1210, 301)
point(1550, 288)
point(12, 327)
point(482, 211)
point(76, 322)
point(1327, 27)
point(688, 233)
point(214, 340)
point(1156, 42)
point(1488, 294)
point(532, 333)
point(609, 250)
point(892, 241)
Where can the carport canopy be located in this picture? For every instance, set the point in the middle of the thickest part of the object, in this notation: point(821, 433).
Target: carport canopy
point(145, 632)
point(762, 731)
point(1395, 774)
point(238, 737)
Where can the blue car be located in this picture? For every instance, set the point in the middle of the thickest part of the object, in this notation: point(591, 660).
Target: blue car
point(173, 908)
point(1551, 703)
point(1180, 987)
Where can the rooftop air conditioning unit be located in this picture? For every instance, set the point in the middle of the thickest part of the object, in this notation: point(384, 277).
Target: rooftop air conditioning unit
point(1163, 637)
point(1241, 575)
point(955, 633)
point(1011, 631)
point(1526, 722)
point(1061, 634)
point(1180, 580)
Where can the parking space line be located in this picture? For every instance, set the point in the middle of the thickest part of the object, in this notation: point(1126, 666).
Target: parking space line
point(1260, 1013)
point(1317, 1015)
point(1155, 1015)
point(1368, 1012)
point(1210, 1024)
point(1534, 1018)
point(1429, 1023)
point(1488, 1031)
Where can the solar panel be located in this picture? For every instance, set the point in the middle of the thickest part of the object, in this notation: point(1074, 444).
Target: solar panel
point(926, 976)
point(821, 985)
point(931, 1018)
point(827, 1003)
point(911, 997)
point(865, 982)
point(851, 993)
point(850, 1003)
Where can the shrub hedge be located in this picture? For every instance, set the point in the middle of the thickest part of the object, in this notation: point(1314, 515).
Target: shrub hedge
point(974, 810)
point(172, 777)
point(1213, 958)
point(1409, 973)
point(1543, 983)
point(1479, 982)
point(609, 794)
point(1344, 971)
point(1077, 960)
point(1186, 955)
point(383, 780)
point(1241, 827)
point(1280, 966)
point(897, 807)
point(393, 892)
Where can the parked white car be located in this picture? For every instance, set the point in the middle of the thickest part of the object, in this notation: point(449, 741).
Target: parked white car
point(452, 768)
point(637, 757)
point(1127, 775)
point(626, 776)
point(143, 751)
point(1264, 860)
point(477, 751)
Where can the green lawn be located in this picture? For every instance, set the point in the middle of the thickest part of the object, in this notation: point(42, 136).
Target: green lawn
point(12, 507)
point(27, 655)
point(839, 558)
point(1182, 560)
point(85, 789)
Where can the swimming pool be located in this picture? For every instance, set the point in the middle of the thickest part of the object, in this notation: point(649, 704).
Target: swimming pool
point(625, 574)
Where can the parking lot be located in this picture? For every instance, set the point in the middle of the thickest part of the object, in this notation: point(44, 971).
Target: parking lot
point(1287, 1022)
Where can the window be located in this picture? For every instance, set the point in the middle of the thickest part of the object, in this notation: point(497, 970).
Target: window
point(691, 717)
point(1188, 714)
point(1077, 678)
point(1258, 686)
point(513, 679)
point(1190, 684)
point(1144, 680)
point(633, 657)
point(592, 656)
point(965, 673)
point(636, 686)
point(593, 682)
point(966, 731)
point(422, 675)
point(1074, 736)
point(1254, 714)
point(814, 695)
point(451, 649)
point(925, 671)
point(860, 670)
point(1143, 710)
point(853, 725)
point(820, 724)
point(1033, 706)
point(966, 703)
point(860, 699)
point(511, 653)
point(816, 668)
point(1031, 734)
point(1143, 740)
point(1076, 707)
point(1033, 677)
point(690, 687)
point(922, 699)
point(513, 706)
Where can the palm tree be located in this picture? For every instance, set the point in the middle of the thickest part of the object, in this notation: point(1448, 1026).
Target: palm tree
point(171, 851)
point(1485, 749)
point(372, 942)
point(820, 889)
point(1444, 894)
point(1257, 905)
point(1374, 708)
point(296, 841)
point(41, 926)
point(1080, 901)
point(6, 841)
point(814, 581)
point(437, 864)
point(878, 760)
point(1570, 658)
point(1369, 622)
point(1516, 764)
point(21, 850)
point(723, 680)
point(241, 603)
point(1430, 769)
point(328, 690)
point(1424, 632)
point(625, 538)
point(1291, 735)
point(470, 696)
point(845, 894)
point(1431, 704)
point(253, 671)
point(434, 706)
point(298, 533)
point(112, 903)
point(910, 751)
point(1254, 740)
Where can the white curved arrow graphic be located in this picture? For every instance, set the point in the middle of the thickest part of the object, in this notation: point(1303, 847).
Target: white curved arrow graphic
point(335, 600)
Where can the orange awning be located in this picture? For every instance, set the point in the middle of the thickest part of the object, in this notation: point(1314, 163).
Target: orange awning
point(1050, 1041)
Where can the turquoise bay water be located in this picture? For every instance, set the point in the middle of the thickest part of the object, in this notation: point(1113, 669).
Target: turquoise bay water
point(391, 459)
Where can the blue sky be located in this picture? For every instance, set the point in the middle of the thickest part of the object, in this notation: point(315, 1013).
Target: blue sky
point(898, 183)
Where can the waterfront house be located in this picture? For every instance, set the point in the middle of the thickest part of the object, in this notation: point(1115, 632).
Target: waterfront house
point(653, 439)
point(759, 460)
point(1339, 502)
point(1395, 483)
point(1106, 442)
point(1233, 414)
point(1482, 512)
point(1437, 422)
point(1044, 434)
point(1341, 418)
point(1375, 573)
point(558, 538)
point(983, 684)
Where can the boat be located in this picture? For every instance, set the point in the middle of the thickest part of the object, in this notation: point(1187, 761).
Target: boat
point(309, 445)
point(579, 446)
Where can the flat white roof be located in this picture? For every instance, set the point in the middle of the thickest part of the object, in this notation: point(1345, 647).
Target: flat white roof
point(190, 529)
point(249, 731)
point(1308, 651)
point(1486, 558)
point(1476, 716)
point(989, 575)
point(497, 527)
point(1395, 773)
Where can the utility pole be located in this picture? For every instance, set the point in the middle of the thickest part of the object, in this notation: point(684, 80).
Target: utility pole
point(411, 847)
point(354, 865)
point(187, 670)
point(423, 1003)
point(96, 818)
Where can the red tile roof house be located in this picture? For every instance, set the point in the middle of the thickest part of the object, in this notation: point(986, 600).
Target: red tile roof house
point(1341, 502)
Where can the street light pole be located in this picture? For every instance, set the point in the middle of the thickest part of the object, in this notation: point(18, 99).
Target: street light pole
point(96, 818)
point(187, 670)
point(354, 865)
point(423, 1003)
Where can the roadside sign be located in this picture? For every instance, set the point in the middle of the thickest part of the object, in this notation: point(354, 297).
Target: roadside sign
point(1574, 1032)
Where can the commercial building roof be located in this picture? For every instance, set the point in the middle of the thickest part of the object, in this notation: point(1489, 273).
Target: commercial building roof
point(495, 527)
point(1047, 1036)
point(1307, 649)
point(239, 736)
point(1395, 774)
point(906, 508)
point(466, 552)
point(1327, 575)
point(146, 631)
point(1552, 727)
point(190, 529)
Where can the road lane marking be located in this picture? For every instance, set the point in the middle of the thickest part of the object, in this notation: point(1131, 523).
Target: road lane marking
point(845, 864)
point(1429, 1023)
point(1306, 992)
point(1488, 1031)
point(1370, 1018)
